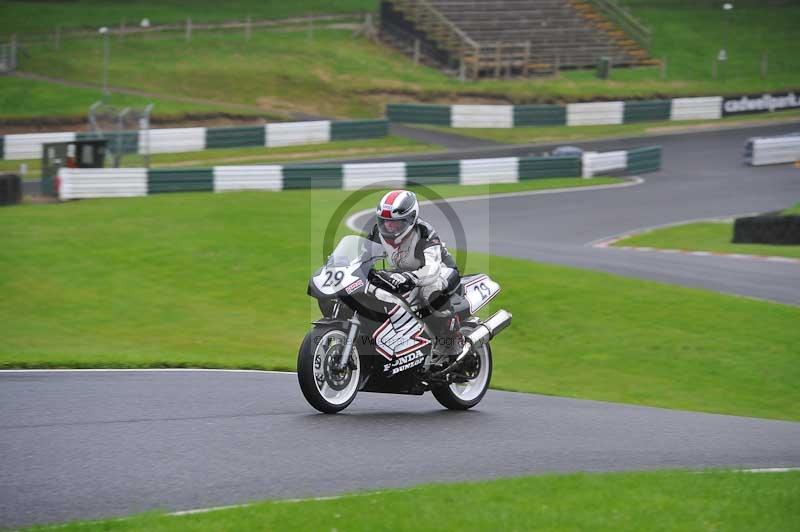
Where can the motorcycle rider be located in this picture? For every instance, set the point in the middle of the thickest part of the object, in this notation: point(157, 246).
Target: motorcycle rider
point(418, 258)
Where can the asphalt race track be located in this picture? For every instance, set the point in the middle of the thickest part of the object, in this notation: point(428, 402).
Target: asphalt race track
point(93, 444)
point(703, 177)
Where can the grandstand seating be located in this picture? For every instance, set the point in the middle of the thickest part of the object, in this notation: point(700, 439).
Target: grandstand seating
point(480, 38)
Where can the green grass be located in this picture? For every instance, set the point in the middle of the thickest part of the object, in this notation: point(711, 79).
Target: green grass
point(257, 155)
point(795, 209)
point(657, 501)
point(219, 281)
point(690, 34)
point(25, 98)
point(705, 236)
point(25, 17)
point(525, 135)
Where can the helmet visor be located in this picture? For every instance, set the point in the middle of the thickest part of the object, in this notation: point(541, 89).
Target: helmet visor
point(393, 228)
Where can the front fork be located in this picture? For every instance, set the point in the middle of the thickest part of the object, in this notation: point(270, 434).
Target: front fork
point(355, 324)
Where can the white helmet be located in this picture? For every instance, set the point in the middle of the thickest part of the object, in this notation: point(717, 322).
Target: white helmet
point(397, 213)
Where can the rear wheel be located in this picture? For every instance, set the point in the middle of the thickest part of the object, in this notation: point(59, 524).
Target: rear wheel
point(324, 386)
point(465, 394)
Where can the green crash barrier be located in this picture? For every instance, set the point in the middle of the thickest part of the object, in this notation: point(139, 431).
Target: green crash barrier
point(647, 110)
point(438, 115)
point(180, 180)
point(235, 137)
point(544, 167)
point(361, 129)
point(540, 115)
point(119, 142)
point(433, 173)
point(312, 176)
point(644, 160)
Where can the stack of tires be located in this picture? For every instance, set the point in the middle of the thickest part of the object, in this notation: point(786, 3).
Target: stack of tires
point(10, 189)
point(767, 229)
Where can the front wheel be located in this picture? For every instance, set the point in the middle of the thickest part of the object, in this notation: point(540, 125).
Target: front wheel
point(465, 395)
point(326, 388)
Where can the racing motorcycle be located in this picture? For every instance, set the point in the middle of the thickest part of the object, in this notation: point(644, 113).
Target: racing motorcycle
point(372, 339)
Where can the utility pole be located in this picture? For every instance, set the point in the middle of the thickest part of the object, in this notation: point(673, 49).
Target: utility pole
point(104, 32)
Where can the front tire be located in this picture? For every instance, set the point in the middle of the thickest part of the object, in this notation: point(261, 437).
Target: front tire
point(325, 388)
point(463, 396)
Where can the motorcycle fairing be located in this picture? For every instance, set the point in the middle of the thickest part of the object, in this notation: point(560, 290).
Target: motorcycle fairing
point(399, 335)
point(478, 291)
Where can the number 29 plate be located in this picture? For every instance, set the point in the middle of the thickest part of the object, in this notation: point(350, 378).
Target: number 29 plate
point(479, 291)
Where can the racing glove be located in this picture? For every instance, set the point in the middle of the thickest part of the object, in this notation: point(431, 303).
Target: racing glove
point(393, 281)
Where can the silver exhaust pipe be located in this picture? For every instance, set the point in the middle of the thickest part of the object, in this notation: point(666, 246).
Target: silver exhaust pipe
point(486, 331)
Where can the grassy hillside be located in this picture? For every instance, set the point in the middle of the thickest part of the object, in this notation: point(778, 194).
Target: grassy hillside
point(27, 17)
point(690, 34)
point(336, 75)
point(23, 98)
point(219, 281)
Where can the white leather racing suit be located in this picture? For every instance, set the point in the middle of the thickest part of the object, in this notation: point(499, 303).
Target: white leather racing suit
point(424, 254)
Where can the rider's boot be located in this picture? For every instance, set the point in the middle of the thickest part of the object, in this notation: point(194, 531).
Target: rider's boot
point(449, 341)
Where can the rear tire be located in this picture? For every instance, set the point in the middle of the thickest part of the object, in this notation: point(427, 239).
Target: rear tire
point(463, 396)
point(323, 387)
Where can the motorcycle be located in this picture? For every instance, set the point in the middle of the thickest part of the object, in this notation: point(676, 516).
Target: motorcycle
point(370, 339)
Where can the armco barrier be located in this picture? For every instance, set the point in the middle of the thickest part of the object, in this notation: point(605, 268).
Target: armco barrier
point(543, 167)
point(230, 178)
point(102, 182)
point(773, 150)
point(483, 116)
point(600, 113)
point(433, 172)
point(176, 140)
point(696, 108)
point(359, 129)
point(29, 145)
point(646, 110)
point(606, 163)
point(437, 115)
point(180, 180)
point(590, 113)
point(539, 115)
point(644, 160)
point(236, 137)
